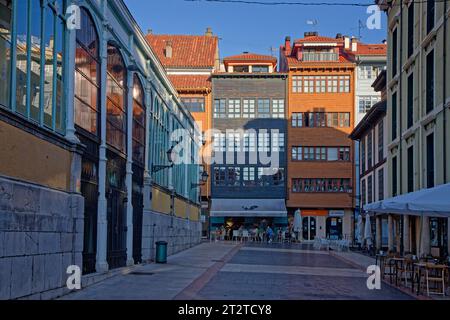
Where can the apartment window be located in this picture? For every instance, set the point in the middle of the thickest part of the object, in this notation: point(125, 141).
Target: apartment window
point(297, 153)
point(219, 142)
point(333, 120)
point(194, 104)
point(344, 120)
point(249, 109)
point(381, 184)
point(234, 142)
point(344, 154)
point(430, 161)
point(234, 108)
point(381, 141)
point(366, 102)
point(364, 192)
point(309, 153)
point(260, 69)
point(278, 108)
point(248, 176)
point(220, 111)
point(410, 101)
point(411, 29)
point(394, 177)
point(249, 142)
point(366, 73)
point(363, 155)
point(297, 84)
point(263, 108)
point(370, 189)
point(321, 185)
point(333, 154)
point(321, 84)
point(394, 52)
point(431, 5)
point(309, 84)
point(332, 84)
point(411, 169)
point(394, 116)
point(278, 177)
point(220, 176)
point(263, 142)
point(369, 149)
point(430, 82)
point(344, 84)
point(297, 120)
point(234, 177)
point(241, 69)
point(278, 142)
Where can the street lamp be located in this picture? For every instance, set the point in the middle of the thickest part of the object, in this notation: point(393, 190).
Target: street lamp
point(157, 168)
point(204, 179)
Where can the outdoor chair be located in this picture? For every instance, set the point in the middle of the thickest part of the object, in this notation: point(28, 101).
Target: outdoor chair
point(436, 277)
point(245, 235)
point(236, 235)
point(407, 271)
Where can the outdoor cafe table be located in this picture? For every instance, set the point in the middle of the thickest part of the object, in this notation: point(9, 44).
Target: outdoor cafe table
point(417, 276)
point(397, 263)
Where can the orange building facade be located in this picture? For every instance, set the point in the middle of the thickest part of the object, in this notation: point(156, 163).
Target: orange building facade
point(190, 60)
point(321, 94)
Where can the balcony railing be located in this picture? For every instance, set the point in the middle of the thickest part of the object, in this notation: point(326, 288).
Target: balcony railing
point(320, 56)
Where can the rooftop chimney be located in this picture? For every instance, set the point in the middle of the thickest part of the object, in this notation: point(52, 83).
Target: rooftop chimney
point(150, 31)
point(384, 41)
point(209, 32)
point(354, 44)
point(287, 45)
point(339, 36)
point(346, 42)
point(311, 34)
point(168, 52)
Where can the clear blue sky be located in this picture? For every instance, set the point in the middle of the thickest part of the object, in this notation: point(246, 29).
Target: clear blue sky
point(253, 28)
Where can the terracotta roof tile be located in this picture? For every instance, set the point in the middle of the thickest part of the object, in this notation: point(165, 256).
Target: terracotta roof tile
point(187, 50)
point(319, 39)
point(251, 57)
point(371, 49)
point(191, 82)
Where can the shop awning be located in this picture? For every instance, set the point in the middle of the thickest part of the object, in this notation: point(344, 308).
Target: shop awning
point(263, 208)
point(426, 202)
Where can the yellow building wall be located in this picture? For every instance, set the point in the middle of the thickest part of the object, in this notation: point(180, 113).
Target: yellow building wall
point(160, 201)
point(181, 208)
point(26, 157)
point(194, 213)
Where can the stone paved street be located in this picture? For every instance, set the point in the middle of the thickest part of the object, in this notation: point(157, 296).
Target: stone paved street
point(242, 272)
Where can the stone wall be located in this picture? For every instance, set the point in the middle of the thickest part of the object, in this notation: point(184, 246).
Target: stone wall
point(180, 234)
point(41, 234)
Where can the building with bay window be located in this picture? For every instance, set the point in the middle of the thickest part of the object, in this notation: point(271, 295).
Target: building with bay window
point(249, 144)
point(320, 113)
point(100, 154)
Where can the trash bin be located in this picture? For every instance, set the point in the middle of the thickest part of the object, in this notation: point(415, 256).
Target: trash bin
point(161, 252)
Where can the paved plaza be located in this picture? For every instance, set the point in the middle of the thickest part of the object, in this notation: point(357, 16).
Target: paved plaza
point(234, 271)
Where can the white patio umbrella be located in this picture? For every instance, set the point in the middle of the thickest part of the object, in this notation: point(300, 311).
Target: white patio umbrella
point(297, 221)
point(359, 230)
point(368, 231)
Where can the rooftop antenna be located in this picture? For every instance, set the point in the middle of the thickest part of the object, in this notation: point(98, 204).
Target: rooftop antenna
point(360, 27)
point(273, 51)
point(312, 22)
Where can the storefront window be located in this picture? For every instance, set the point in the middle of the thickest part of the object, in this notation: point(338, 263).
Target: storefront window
point(39, 64)
point(116, 124)
point(87, 82)
point(138, 122)
point(439, 235)
point(5, 51)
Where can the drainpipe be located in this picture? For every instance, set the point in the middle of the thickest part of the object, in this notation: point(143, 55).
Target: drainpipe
point(444, 54)
point(400, 91)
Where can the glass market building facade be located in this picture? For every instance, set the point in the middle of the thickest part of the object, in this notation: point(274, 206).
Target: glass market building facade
point(90, 124)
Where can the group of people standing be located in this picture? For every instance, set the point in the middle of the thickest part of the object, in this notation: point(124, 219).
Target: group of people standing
point(257, 233)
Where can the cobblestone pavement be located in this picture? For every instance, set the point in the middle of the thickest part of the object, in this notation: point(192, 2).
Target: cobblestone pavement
point(234, 271)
